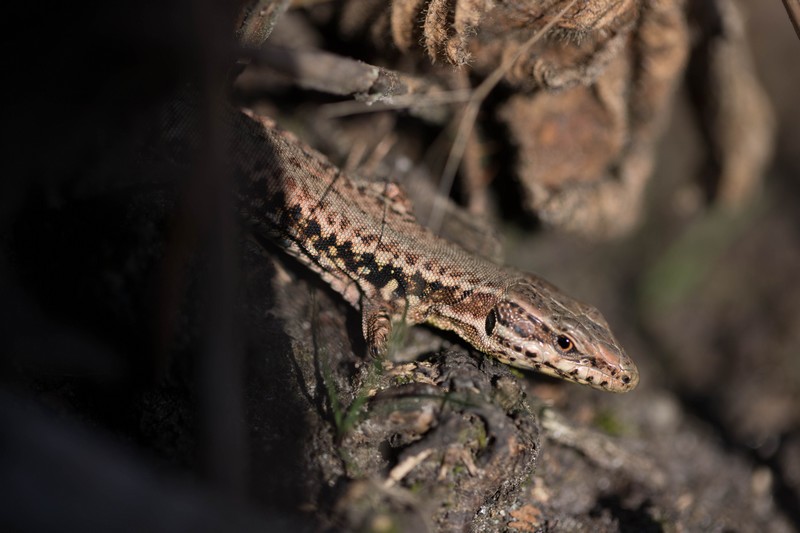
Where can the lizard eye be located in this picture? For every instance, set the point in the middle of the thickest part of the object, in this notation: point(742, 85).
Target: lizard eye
point(564, 343)
point(491, 321)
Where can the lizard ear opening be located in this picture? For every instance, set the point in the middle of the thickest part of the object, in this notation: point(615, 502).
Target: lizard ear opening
point(491, 321)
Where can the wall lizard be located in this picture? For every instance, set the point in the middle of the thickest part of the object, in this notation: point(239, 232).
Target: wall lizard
point(364, 241)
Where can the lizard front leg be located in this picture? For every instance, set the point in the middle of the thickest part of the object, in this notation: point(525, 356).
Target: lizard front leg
point(376, 322)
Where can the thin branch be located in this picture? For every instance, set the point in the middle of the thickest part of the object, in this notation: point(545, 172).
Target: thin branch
point(377, 88)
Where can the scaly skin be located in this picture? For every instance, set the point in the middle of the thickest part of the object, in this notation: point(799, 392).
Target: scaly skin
point(363, 240)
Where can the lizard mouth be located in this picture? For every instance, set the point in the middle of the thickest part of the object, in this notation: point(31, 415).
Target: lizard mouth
point(620, 379)
point(612, 374)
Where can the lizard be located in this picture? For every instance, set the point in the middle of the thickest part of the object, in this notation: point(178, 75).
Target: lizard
point(364, 241)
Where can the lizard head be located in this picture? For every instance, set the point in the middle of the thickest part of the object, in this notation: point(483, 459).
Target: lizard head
point(536, 326)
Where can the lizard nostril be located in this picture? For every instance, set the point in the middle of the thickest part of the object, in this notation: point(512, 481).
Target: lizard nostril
point(626, 379)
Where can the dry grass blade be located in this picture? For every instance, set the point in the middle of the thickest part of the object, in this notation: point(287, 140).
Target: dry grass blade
point(470, 114)
point(793, 10)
